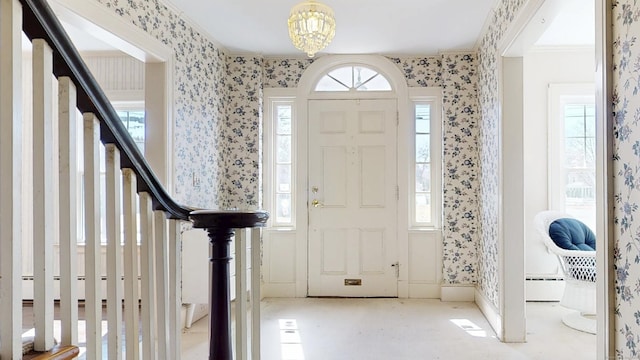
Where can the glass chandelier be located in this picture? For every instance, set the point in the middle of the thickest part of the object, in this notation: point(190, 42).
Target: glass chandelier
point(311, 26)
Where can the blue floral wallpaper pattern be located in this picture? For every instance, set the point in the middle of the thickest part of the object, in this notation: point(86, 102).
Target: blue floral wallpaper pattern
point(199, 98)
point(457, 75)
point(488, 259)
point(241, 133)
point(420, 71)
point(626, 130)
point(284, 73)
point(460, 168)
point(218, 101)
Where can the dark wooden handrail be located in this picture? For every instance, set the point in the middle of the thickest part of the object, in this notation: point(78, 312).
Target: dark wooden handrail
point(40, 22)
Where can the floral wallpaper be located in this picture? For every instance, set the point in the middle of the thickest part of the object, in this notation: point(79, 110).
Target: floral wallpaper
point(241, 133)
point(284, 73)
point(199, 99)
point(626, 143)
point(420, 71)
point(488, 259)
point(217, 133)
point(460, 165)
point(457, 75)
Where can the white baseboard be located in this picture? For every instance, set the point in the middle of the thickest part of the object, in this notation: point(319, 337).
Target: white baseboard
point(198, 312)
point(278, 290)
point(457, 293)
point(490, 313)
point(424, 291)
point(541, 290)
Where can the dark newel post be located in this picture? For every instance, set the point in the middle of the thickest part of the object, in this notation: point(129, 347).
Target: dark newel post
point(219, 298)
point(220, 225)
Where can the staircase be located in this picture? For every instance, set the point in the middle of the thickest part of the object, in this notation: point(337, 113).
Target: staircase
point(143, 223)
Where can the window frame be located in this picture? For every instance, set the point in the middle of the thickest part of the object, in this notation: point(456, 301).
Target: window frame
point(273, 99)
point(353, 86)
point(424, 97)
point(559, 96)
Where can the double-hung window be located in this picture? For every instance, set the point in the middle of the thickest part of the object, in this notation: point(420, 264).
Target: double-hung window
point(572, 147)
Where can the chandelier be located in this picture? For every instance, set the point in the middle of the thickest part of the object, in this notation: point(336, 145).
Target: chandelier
point(311, 26)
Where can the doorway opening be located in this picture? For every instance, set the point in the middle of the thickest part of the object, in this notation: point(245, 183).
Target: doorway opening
point(548, 92)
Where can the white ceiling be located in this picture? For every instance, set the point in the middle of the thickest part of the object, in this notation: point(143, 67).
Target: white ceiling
point(573, 24)
point(406, 27)
point(402, 27)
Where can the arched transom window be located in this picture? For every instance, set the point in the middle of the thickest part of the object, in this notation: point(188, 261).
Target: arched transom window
point(353, 78)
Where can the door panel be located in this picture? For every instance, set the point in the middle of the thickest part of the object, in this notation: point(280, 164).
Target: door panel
point(352, 198)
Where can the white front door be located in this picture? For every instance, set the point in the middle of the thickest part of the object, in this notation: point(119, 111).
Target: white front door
point(352, 197)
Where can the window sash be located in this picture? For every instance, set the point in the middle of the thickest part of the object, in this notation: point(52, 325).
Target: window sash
point(424, 183)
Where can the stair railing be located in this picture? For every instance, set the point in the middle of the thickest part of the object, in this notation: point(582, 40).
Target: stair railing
point(142, 286)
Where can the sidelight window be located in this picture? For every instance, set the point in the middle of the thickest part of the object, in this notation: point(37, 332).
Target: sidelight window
point(279, 154)
point(425, 165)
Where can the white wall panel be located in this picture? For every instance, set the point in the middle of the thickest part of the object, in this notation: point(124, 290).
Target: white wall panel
point(424, 258)
point(281, 261)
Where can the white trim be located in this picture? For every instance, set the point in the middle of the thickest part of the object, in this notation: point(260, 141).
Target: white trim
point(519, 36)
point(605, 284)
point(530, 22)
point(511, 239)
point(510, 286)
point(489, 311)
point(273, 96)
point(546, 49)
point(194, 24)
point(99, 22)
point(305, 91)
point(432, 95)
point(103, 24)
point(457, 293)
point(424, 291)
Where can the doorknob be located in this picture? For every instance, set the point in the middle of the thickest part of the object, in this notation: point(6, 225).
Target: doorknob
point(316, 203)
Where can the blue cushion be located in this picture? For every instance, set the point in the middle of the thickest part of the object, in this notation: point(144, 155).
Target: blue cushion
point(572, 234)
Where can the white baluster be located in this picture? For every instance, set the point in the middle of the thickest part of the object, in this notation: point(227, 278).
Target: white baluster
point(255, 293)
point(162, 282)
point(44, 214)
point(93, 295)
point(147, 278)
point(241, 293)
point(68, 187)
point(11, 179)
point(175, 288)
point(114, 252)
point(131, 292)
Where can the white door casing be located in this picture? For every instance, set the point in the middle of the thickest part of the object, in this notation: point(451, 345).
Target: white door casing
point(352, 198)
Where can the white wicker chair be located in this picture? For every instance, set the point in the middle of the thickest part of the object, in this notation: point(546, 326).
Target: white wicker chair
point(579, 268)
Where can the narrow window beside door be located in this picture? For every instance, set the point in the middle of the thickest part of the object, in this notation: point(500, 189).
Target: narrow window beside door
point(424, 196)
point(422, 164)
point(279, 162)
